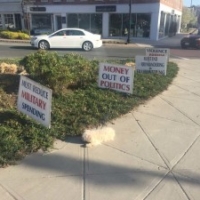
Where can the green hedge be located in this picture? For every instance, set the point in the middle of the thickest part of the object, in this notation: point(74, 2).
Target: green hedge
point(14, 35)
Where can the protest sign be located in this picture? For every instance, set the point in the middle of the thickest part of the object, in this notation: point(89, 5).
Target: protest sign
point(116, 77)
point(145, 64)
point(34, 100)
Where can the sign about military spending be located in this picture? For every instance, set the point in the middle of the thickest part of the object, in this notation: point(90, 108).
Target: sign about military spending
point(34, 100)
point(116, 77)
point(147, 64)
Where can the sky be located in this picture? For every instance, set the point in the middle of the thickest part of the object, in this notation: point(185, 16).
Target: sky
point(188, 2)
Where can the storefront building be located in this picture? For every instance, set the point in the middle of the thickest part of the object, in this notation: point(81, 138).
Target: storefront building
point(11, 14)
point(110, 18)
point(196, 10)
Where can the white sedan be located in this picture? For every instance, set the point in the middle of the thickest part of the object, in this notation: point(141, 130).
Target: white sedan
point(68, 38)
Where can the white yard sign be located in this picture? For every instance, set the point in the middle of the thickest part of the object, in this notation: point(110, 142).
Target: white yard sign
point(116, 77)
point(157, 52)
point(34, 100)
point(145, 64)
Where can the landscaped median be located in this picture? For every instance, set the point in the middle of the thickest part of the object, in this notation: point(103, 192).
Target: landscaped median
point(77, 102)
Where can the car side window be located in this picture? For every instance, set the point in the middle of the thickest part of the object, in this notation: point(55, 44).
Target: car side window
point(74, 32)
point(69, 32)
point(60, 33)
point(78, 32)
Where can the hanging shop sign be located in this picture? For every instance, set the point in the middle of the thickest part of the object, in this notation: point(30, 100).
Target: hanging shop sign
point(105, 8)
point(36, 9)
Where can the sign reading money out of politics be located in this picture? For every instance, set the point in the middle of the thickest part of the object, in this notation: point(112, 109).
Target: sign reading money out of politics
point(116, 77)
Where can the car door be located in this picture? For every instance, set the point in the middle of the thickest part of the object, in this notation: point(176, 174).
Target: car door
point(57, 39)
point(75, 38)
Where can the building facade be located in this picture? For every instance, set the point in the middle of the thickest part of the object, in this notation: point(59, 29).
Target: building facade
point(196, 10)
point(11, 14)
point(151, 19)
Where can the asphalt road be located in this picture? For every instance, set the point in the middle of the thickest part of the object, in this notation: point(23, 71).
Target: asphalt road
point(14, 50)
point(107, 51)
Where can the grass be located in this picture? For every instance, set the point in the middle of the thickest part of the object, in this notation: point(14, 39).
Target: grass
point(72, 112)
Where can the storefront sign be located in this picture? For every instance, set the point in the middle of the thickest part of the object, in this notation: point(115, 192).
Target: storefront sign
point(36, 9)
point(105, 8)
point(147, 64)
point(34, 100)
point(116, 77)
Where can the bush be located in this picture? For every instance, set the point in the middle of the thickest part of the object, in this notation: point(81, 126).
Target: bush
point(60, 73)
point(14, 35)
point(82, 72)
point(19, 136)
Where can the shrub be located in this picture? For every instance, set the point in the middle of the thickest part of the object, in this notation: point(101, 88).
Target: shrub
point(60, 73)
point(46, 68)
point(19, 136)
point(14, 35)
point(23, 36)
point(82, 71)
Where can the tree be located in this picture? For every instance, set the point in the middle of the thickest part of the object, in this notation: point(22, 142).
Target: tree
point(189, 18)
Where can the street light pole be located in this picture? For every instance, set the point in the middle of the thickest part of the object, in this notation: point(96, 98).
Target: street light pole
point(129, 26)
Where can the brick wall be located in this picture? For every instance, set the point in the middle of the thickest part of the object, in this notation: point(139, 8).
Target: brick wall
point(176, 4)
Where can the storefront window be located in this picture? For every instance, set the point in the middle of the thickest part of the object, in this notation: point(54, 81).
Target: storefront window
point(140, 25)
point(173, 26)
point(42, 23)
point(143, 25)
point(115, 25)
point(1, 25)
point(167, 24)
point(9, 21)
point(125, 24)
point(72, 20)
point(162, 25)
point(90, 22)
point(84, 21)
point(133, 25)
point(96, 23)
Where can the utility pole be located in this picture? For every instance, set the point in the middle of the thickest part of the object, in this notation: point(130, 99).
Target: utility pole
point(129, 26)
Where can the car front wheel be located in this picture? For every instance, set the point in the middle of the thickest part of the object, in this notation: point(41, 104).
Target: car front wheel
point(87, 46)
point(43, 45)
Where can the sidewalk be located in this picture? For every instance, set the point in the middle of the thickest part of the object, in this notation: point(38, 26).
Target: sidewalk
point(155, 155)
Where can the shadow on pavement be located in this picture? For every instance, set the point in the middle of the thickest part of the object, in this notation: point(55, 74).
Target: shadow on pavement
point(64, 165)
